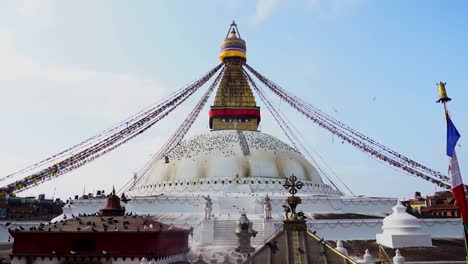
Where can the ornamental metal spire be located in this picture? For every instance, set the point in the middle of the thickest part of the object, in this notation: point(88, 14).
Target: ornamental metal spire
point(293, 220)
point(293, 185)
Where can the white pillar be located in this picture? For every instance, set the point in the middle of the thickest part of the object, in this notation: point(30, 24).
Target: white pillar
point(207, 232)
point(268, 228)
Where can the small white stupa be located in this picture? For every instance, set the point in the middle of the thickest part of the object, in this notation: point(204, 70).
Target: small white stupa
point(401, 230)
point(367, 258)
point(340, 248)
point(398, 258)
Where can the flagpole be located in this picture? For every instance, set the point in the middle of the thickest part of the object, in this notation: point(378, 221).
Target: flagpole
point(443, 98)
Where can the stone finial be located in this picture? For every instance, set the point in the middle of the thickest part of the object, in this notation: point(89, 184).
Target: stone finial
point(398, 258)
point(340, 248)
point(368, 257)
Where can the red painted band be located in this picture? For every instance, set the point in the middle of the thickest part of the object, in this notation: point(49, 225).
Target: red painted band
point(235, 112)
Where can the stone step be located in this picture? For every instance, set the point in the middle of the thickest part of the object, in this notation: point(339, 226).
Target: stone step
point(225, 233)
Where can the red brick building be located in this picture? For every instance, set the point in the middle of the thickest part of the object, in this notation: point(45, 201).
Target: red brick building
point(108, 237)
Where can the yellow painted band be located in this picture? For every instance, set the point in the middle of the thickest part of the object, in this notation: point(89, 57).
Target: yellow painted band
point(232, 53)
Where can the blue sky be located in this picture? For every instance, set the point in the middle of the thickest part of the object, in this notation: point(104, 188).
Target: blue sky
point(69, 69)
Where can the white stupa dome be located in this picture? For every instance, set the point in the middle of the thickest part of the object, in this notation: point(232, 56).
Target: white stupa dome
point(235, 154)
point(231, 161)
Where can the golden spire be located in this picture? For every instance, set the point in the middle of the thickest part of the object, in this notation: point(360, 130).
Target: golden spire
point(234, 107)
point(234, 90)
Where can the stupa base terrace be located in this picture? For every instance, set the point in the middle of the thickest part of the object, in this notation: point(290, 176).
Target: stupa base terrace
point(333, 217)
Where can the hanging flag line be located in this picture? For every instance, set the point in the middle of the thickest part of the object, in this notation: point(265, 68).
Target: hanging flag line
point(330, 119)
point(175, 139)
point(398, 161)
point(103, 134)
point(116, 139)
point(288, 131)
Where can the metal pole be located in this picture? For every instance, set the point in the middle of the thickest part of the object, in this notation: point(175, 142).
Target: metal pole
point(463, 226)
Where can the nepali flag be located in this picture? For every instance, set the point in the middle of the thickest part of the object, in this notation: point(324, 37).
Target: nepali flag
point(458, 189)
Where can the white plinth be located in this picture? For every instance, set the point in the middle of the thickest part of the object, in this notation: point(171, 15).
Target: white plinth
point(268, 228)
point(207, 232)
point(402, 241)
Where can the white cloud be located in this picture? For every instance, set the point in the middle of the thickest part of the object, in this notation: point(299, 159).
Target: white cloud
point(82, 92)
point(265, 8)
point(42, 90)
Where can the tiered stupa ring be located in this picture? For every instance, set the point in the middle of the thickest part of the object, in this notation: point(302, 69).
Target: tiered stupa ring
point(233, 45)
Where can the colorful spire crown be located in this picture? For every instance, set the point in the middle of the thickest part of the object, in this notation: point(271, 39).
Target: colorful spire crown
point(233, 46)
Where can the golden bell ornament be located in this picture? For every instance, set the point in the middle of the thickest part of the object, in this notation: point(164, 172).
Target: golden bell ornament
point(442, 93)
